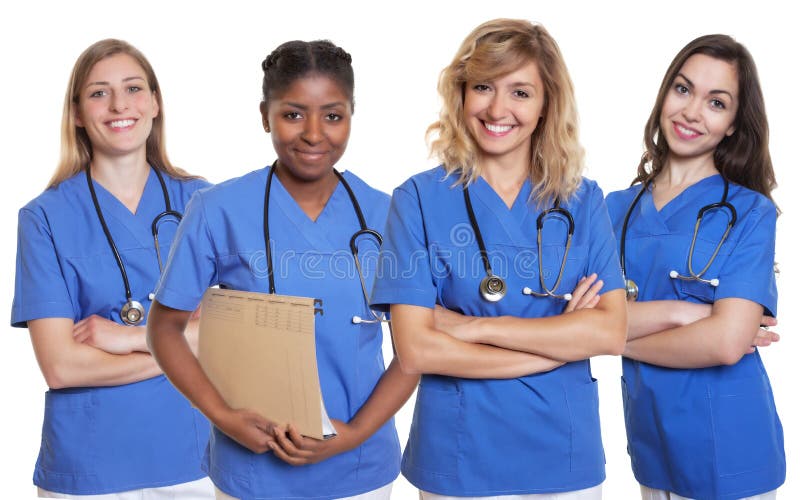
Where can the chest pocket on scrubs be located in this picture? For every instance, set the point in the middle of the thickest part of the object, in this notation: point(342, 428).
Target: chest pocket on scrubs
point(694, 290)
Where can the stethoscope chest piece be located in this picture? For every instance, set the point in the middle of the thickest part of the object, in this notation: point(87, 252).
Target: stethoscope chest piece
point(631, 290)
point(132, 313)
point(492, 288)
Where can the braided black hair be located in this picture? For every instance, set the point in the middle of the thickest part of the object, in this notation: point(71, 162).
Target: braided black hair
point(297, 59)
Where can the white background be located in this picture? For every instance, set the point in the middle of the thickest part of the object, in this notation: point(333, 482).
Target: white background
point(207, 57)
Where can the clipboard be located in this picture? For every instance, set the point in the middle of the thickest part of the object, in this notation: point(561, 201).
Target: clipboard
point(259, 351)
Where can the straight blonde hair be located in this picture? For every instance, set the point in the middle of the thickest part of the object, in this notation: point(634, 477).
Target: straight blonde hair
point(76, 148)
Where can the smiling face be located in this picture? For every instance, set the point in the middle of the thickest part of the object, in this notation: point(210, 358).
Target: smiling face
point(310, 125)
point(502, 114)
point(700, 108)
point(116, 107)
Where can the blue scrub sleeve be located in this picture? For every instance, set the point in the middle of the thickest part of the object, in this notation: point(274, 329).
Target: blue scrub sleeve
point(404, 272)
point(603, 256)
point(749, 272)
point(192, 264)
point(40, 290)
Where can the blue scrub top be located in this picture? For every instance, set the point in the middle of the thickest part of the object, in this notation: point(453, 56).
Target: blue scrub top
point(471, 437)
point(710, 433)
point(99, 440)
point(221, 242)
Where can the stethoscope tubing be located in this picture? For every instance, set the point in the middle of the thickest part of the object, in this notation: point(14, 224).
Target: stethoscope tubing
point(631, 289)
point(492, 287)
point(131, 304)
point(362, 231)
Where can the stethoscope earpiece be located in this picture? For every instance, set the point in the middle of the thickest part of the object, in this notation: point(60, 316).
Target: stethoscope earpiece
point(362, 232)
point(632, 291)
point(492, 287)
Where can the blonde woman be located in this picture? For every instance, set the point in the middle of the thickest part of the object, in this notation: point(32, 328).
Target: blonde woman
point(87, 262)
point(499, 268)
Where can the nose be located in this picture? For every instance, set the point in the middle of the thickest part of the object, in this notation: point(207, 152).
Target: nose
point(692, 109)
point(119, 101)
point(497, 108)
point(312, 132)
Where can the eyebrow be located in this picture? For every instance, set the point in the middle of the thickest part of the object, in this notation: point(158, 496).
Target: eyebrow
point(324, 106)
point(124, 80)
point(716, 91)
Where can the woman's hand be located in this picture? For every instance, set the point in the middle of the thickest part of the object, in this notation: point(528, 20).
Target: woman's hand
point(295, 449)
point(249, 429)
point(764, 336)
point(109, 336)
point(586, 294)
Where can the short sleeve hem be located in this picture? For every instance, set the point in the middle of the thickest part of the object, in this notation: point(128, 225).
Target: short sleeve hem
point(382, 299)
point(21, 315)
point(177, 300)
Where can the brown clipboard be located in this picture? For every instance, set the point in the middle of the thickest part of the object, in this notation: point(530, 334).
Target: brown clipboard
point(258, 350)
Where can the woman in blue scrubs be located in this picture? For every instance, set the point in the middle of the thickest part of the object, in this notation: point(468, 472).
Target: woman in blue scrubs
point(307, 108)
point(507, 406)
point(699, 412)
point(114, 427)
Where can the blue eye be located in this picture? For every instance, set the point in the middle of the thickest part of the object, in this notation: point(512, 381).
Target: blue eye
point(98, 93)
point(133, 89)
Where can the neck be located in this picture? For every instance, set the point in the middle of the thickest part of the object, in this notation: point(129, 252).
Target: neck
point(677, 175)
point(122, 177)
point(680, 172)
point(506, 178)
point(310, 195)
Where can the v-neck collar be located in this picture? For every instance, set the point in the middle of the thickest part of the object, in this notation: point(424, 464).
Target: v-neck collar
point(515, 220)
point(317, 233)
point(136, 224)
point(688, 196)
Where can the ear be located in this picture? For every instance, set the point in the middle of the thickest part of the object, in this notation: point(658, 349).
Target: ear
point(264, 115)
point(76, 115)
point(730, 131)
point(156, 109)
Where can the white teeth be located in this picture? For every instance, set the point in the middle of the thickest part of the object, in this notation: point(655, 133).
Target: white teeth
point(498, 129)
point(121, 123)
point(686, 131)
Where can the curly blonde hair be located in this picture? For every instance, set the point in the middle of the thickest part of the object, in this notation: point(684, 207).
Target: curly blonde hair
point(76, 148)
point(494, 49)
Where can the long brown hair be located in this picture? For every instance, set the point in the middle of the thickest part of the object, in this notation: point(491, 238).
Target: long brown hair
point(76, 148)
point(493, 49)
point(742, 157)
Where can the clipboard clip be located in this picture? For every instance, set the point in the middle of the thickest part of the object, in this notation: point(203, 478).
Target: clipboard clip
point(318, 310)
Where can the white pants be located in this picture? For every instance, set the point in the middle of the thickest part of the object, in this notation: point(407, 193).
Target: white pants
point(593, 493)
point(202, 489)
point(382, 493)
point(651, 494)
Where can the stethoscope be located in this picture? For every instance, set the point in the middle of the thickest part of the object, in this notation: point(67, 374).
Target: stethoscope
point(632, 290)
point(364, 231)
point(132, 313)
point(492, 287)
